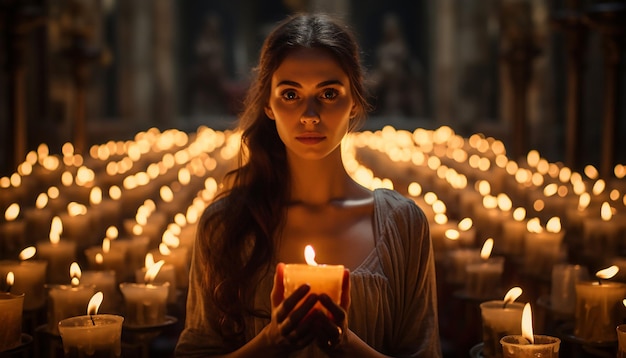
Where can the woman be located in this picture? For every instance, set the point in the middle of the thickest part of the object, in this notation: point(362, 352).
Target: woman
point(290, 190)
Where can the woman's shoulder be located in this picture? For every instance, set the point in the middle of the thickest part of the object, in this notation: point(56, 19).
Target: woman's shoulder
point(389, 199)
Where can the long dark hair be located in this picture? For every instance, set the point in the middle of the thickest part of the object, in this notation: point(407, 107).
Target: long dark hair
point(238, 232)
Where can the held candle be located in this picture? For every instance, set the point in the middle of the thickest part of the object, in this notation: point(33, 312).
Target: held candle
point(322, 278)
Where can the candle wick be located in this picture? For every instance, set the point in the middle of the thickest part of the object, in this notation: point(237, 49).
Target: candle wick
point(599, 281)
point(92, 321)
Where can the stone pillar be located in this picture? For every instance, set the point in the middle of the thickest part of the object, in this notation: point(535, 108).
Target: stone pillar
point(164, 30)
point(443, 59)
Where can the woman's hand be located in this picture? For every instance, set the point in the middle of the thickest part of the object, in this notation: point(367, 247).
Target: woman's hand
point(333, 328)
point(291, 327)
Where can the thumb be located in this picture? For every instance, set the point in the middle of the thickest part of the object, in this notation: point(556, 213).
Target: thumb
point(278, 290)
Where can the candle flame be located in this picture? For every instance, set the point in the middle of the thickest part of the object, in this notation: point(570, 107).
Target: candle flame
point(483, 187)
point(606, 212)
point(164, 250)
point(149, 261)
point(112, 232)
point(95, 195)
point(485, 252)
point(106, 245)
point(519, 214)
point(56, 228)
point(415, 189)
point(153, 271)
point(452, 234)
point(27, 253)
point(10, 278)
point(42, 201)
point(465, 224)
point(504, 202)
point(75, 273)
point(554, 225)
point(527, 324)
point(12, 212)
point(490, 202)
point(99, 258)
point(309, 255)
point(166, 193)
point(583, 201)
point(75, 209)
point(512, 295)
point(534, 225)
point(94, 303)
point(440, 218)
point(170, 239)
point(598, 187)
point(608, 272)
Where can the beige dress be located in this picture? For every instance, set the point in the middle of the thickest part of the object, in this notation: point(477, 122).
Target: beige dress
point(393, 292)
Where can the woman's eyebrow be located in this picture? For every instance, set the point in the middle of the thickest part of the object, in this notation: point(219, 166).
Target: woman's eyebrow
point(319, 85)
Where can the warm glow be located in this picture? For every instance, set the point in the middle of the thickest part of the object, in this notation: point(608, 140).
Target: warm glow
point(112, 232)
point(95, 195)
point(550, 189)
point(94, 303)
point(591, 172)
point(484, 188)
point(512, 295)
point(539, 205)
point(485, 252)
point(12, 212)
point(519, 214)
point(75, 273)
point(166, 194)
point(153, 271)
point(554, 225)
point(75, 209)
point(606, 213)
point(170, 239)
point(27, 253)
point(99, 258)
point(608, 272)
point(452, 234)
point(504, 202)
point(430, 198)
point(533, 158)
point(490, 202)
point(10, 278)
point(415, 189)
point(583, 201)
point(106, 245)
point(527, 324)
point(149, 261)
point(164, 250)
point(115, 192)
point(42, 201)
point(534, 225)
point(440, 218)
point(56, 228)
point(439, 207)
point(309, 255)
point(598, 187)
point(465, 224)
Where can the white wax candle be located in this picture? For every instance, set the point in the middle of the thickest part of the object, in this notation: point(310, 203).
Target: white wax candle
point(563, 290)
point(179, 258)
point(499, 320)
point(59, 256)
point(30, 277)
point(167, 273)
point(65, 301)
point(145, 304)
point(599, 310)
point(11, 306)
point(484, 278)
point(92, 335)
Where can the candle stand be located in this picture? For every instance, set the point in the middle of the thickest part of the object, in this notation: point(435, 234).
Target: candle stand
point(22, 350)
point(137, 339)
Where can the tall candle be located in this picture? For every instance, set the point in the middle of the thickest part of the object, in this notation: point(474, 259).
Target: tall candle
point(12, 231)
point(11, 306)
point(167, 273)
point(484, 277)
point(321, 278)
point(563, 290)
point(66, 301)
point(177, 257)
point(542, 247)
point(105, 282)
point(621, 340)
point(58, 253)
point(30, 277)
point(104, 258)
point(93, 334)
point(598, 307)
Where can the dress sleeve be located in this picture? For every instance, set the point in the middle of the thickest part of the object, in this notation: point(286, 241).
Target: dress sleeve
point(198, 338)
point(416, 331)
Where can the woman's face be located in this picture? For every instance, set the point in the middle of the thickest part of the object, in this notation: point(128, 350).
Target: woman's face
point(311, 102)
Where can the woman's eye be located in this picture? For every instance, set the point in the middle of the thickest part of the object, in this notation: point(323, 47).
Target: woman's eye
point(290, 95)
point(330, 93)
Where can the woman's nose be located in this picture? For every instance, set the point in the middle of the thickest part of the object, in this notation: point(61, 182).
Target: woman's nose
point(311, 114)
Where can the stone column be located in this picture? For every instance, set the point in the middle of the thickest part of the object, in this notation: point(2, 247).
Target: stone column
point(443, 59)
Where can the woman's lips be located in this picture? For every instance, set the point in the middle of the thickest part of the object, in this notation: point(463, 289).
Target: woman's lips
point(310, 139)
